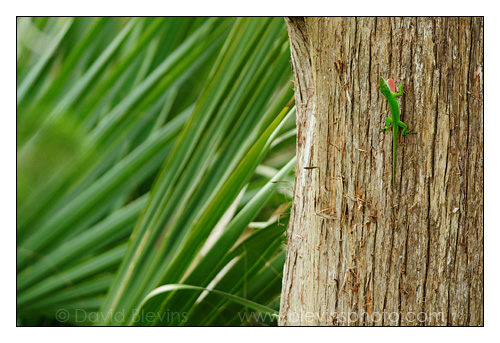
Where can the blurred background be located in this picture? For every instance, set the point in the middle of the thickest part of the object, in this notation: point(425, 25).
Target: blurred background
point(152, 152)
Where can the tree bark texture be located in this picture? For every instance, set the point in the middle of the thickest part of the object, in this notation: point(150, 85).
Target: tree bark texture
point(360, 251)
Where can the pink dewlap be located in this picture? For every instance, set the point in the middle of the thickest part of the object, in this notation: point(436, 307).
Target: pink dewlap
point(392, 85)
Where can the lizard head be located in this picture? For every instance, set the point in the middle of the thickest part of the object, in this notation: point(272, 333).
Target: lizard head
point(384, 86)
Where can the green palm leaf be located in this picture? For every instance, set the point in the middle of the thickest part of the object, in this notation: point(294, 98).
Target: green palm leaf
point(146, 148)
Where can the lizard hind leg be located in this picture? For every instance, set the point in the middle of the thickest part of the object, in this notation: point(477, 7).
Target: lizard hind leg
point(387, 121)
point(405, 128)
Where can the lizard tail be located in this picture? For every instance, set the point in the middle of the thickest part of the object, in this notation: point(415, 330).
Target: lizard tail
point(394, 148)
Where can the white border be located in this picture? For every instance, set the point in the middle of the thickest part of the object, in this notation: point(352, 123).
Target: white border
point(255, 7)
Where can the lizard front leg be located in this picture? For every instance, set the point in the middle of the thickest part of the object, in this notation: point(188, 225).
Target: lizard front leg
point(400, 91)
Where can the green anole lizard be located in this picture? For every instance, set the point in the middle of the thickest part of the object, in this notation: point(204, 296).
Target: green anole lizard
point(388, 88)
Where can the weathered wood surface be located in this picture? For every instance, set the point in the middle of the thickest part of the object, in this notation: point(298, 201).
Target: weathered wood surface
point(359, 252)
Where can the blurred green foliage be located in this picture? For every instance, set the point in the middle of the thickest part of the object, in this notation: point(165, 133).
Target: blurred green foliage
point(146, 154)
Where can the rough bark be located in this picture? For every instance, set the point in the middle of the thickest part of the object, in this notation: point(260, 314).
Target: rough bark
point(360, 251)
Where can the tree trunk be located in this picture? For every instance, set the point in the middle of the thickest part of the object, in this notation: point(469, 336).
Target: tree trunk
point(360, 250)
